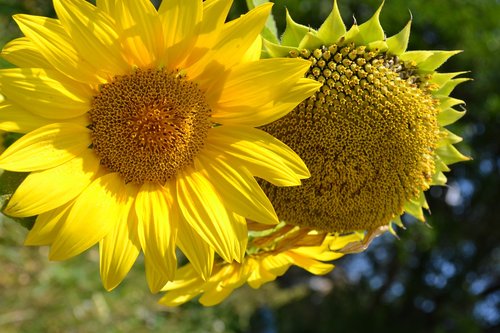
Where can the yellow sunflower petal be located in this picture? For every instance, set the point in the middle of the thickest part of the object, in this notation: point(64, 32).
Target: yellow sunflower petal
point(181, 23)
point(214, 14)
point(254, 52)
point(186, 286)
point(120, 248)
point(156, 279)
point(243, 194)
point(238, 35)
point(22, 52)
point(314, 266)
point(277, 264)
point(198, 252)
point(253, 84)
point(185, 276)
point(108, 6)
point(52, 41)
point(93, 216)
point(45, 190)
point(275, 109)
point(215, 295)
point(46, 147)
point(14, 118)
point(233, 42)
point(261, 274)
point(47, 226)
point(42, 92)
point(158, 225)
point(262, 154)
point(203, 209)
point(94, 35)
point(241, 231)
point(140, 32)
point(257, 113)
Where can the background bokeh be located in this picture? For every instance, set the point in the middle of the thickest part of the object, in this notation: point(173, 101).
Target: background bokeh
point(440, 277)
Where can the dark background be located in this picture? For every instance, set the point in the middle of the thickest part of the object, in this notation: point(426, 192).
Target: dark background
point(440, 277)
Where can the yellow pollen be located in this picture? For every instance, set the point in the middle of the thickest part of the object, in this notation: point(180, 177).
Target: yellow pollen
point(368, 137)
point(148, 125)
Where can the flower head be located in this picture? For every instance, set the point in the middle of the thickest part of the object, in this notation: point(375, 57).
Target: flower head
point(271, 251)
point(373, 136)
point(141, 131)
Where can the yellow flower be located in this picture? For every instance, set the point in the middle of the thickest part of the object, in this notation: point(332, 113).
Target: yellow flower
point(373, 136)
point(141, 131)
point(271, 251)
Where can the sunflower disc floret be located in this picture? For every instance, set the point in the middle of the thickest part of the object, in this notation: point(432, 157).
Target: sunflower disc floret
point(148, 125)
point(368, 135)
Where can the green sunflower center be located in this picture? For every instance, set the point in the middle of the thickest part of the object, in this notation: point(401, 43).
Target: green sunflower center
point(148, 125)
point(368, 137)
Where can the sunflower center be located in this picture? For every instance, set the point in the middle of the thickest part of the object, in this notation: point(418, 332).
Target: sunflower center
point(148, 125)
point(368, 137)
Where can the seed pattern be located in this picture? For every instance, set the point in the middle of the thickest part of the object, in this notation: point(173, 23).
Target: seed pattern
point(368, 137)
point(149, 125)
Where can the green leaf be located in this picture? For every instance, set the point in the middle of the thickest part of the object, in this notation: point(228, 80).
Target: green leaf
point(9, 182)
point(270, 31)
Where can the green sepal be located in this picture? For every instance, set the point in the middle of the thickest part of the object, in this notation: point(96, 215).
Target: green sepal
point(449, 116)
point(441, 79)
point(414, 208)
point(270, 31)
point(294, 32)
point(397, 221)
point(333, 28)
point(415, 56)
point(448, 102)
point(435, 60)
point(275, 50)
point(439, 179)
point(448, 87)
point(448, 138)
point(372, 30)
point(310, 42)
point(449, 155)
point(9, 182)
point(352, 35)
point(440, 165)
point(399, 42)
point(379, 46)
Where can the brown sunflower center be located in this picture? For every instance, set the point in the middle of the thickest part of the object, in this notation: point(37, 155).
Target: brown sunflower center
point(368, 137)
point(148, 125)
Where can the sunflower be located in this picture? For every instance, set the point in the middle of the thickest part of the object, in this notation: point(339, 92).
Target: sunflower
point(374, 135)
point(271, 251)
point(141, 131)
